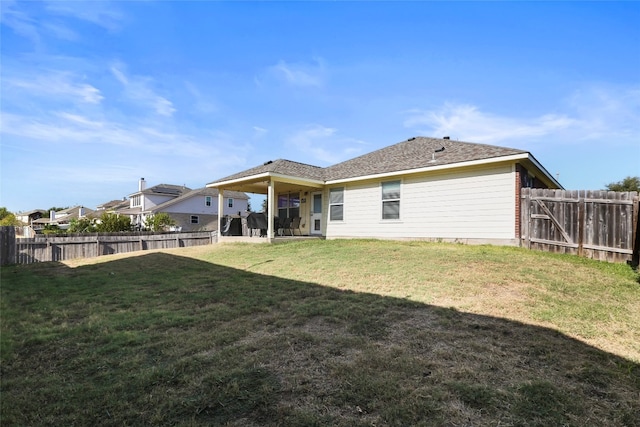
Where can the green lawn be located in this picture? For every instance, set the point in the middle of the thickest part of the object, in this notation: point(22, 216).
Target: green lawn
point(316, 333)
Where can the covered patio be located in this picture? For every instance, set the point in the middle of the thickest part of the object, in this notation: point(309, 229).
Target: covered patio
point(292, 189)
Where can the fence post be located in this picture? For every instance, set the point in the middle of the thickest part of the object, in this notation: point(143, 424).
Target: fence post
point(7, 245)
point(582, 205)
point(635, 225)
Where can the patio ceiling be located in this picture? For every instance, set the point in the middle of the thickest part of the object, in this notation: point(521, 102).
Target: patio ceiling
point(259, 184)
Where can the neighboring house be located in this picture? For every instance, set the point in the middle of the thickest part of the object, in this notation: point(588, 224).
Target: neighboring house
point(198, 209)
point(62, 219)
point(30, 216)
point(191, 209)
point(145, 199)
point(422, 188)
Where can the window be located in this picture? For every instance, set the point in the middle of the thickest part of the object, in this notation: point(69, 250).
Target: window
point(230, 203)
point(288, 205)
point(194, 219)
point(336, 204)
point(207, 201)
point(135, 201)
point(391, 200)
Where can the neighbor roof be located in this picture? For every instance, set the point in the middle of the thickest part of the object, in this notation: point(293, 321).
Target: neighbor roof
point(165, 190)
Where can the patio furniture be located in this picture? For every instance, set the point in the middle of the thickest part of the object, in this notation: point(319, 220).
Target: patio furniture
point(285, 225)
point(295, 225)
point(257, 221)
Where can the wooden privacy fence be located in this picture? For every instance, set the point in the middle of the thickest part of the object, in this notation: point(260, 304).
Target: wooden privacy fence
point(601, 225)
point(60, 248)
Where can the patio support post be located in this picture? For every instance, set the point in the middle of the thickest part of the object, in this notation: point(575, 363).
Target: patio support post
point(270, 210)
point(220, 211)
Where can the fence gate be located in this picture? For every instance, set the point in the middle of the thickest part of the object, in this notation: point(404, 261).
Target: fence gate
point(601, 225)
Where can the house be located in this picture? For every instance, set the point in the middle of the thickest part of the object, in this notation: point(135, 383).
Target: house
point(62, 219)
point(30, 216)
point(421, 188)
point(191, 209)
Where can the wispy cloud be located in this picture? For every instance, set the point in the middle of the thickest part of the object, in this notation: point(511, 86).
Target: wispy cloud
point(259, 132)
point(139, 89)
point(19, 21)
point(469, 123)
point(60, 31)
point(37, 21)
point(592, 113)
point(60, 84)
point(300, 74)
point(70, 131)
point(324, 144)
point(105, 14)
point(201, 103)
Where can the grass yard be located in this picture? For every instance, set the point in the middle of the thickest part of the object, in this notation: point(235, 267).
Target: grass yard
point(317, 333)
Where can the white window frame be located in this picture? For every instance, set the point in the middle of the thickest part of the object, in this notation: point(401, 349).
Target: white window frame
point(333, 203)
point(390, 199)
point(230, 202)
point(195, 219)
point(208, 201)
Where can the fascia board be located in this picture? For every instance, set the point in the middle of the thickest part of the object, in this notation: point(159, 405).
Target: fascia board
point(247, 179)
point(297, 180)
point(265, 177)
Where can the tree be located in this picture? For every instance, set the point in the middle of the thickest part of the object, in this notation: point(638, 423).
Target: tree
point(113, 223)
point(82, 225)
point(4, 212)
point(8, 219)
point(630, 183)
point(159, 221)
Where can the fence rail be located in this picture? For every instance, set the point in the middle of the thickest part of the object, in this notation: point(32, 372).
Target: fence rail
point(60, 248)
point(601, 225)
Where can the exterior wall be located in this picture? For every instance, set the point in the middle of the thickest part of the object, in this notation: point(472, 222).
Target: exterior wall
point(207, 215)
point(206, 222)
point(239, 205)
point(153, 200)
point(473, 203)
point(196, 206)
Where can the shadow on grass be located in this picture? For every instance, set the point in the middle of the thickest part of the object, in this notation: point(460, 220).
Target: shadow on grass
point(166, 340)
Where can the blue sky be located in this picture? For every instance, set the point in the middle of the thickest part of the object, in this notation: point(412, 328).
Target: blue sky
point(95, 95)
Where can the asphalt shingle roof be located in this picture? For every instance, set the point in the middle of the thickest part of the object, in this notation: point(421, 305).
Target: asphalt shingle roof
point(414, 153)
point(283, 167)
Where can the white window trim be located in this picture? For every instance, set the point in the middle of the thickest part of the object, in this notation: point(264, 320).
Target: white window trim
point(399, 200)
point(208, 201)
point(230, 202)
point(197, 218)
point(329, 204)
